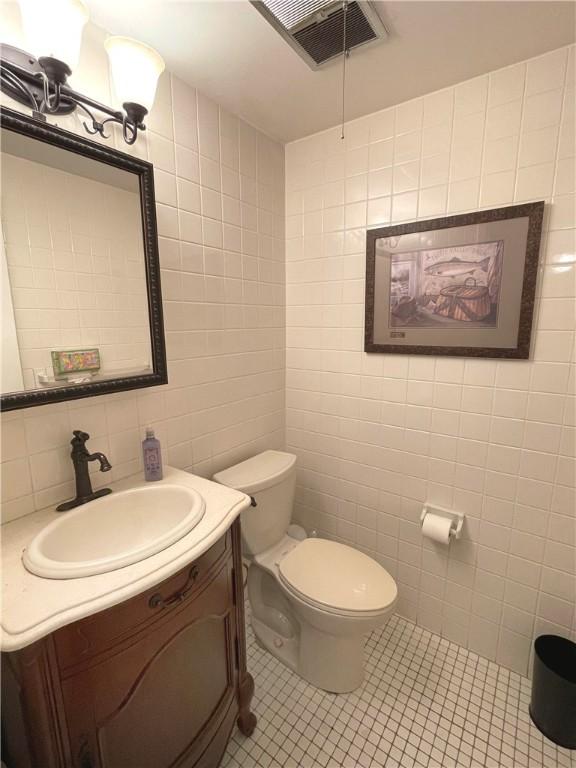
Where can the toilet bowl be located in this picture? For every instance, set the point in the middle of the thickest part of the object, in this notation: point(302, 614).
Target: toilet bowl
point(313, 600)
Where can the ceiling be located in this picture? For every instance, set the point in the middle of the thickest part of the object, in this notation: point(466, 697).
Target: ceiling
point(229, 51)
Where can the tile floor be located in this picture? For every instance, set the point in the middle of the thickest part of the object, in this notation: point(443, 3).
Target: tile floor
point(425, 702)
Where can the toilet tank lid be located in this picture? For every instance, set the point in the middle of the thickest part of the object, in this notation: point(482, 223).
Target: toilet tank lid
point(259, 472)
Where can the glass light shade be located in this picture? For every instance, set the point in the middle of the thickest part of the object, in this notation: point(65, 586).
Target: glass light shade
point(135, 70)
point(54, 28)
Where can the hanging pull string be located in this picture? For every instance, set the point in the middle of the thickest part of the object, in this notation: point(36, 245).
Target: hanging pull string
point(344, 57)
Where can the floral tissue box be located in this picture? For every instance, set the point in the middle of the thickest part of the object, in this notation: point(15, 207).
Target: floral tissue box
point(73, 361)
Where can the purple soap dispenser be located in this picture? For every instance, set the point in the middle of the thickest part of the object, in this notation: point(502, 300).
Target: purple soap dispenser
point(152, 454)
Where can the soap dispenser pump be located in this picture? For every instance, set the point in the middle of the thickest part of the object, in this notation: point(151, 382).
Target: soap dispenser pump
point(152, 455)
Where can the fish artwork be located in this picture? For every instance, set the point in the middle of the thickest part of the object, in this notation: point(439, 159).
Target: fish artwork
point(455, 267)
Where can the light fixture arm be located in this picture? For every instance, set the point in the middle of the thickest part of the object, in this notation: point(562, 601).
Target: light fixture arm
point(41, 85)
point(13, 85)
point(51, 101)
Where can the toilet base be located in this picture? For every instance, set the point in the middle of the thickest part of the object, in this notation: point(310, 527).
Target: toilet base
point(282, 648)
point(334, 663)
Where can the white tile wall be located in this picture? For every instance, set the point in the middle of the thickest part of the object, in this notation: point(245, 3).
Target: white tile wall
point(85, 285)
point(220, 207)
point(377, 435)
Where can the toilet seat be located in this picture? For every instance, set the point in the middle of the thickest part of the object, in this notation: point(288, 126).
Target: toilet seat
point(337, 579)
point(327, 609)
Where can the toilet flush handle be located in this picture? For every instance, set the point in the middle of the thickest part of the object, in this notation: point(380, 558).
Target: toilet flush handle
point(253, 502)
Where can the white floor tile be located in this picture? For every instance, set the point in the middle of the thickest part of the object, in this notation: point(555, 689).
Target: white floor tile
point(425, 702)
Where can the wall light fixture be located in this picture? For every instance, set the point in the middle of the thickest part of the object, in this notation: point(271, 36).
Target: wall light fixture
point(38, 79)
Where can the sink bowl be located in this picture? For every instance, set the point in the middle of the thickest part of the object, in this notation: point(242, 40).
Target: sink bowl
point(114, 531)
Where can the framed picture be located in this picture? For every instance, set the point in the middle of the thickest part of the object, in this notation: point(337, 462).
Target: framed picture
point(460, 285)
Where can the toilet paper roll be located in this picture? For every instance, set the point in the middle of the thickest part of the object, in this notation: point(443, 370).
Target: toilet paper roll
point(437, 528)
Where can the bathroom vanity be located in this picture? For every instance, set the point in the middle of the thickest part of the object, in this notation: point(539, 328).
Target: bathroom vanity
point(140, 667)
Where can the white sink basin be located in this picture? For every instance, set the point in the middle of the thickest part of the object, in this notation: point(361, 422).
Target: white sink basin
point(114, 531)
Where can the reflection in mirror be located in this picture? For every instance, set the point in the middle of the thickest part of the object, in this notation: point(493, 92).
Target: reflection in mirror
point(73, 269)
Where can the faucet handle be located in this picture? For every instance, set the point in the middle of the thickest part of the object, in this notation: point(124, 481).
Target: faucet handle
point(80, 435)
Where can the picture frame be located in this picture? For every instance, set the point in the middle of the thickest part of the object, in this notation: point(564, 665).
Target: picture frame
point(461, 285)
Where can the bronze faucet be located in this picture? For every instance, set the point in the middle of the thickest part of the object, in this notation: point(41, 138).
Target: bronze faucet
point(80, 459)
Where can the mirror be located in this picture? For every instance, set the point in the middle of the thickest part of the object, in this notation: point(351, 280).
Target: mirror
point(81, 300)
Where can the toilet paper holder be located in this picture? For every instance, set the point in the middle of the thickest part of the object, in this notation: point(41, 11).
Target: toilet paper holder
point(456, 518)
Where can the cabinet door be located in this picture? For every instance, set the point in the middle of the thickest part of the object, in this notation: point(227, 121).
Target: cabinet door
point(159, 700)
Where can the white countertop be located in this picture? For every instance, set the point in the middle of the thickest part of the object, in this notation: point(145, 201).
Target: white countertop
point(33, 607)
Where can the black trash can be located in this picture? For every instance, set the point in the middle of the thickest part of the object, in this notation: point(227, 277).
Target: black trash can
point(553, 700)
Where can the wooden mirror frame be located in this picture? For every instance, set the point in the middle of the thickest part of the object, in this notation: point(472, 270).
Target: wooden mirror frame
point(50, 134)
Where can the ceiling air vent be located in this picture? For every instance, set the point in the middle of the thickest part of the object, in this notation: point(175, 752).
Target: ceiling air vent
point(315, 28)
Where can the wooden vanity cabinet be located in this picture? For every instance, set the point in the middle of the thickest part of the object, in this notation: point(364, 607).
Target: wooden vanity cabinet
point(157, 681)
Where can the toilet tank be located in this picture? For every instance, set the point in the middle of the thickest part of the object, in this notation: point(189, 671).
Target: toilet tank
point(270, 478)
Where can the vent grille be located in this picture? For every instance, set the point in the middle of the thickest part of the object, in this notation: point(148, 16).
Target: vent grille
point(290, 13)
point(315, 28)
point(323, 40)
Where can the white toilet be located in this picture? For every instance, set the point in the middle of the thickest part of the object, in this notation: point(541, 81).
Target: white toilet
point(312, 600)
